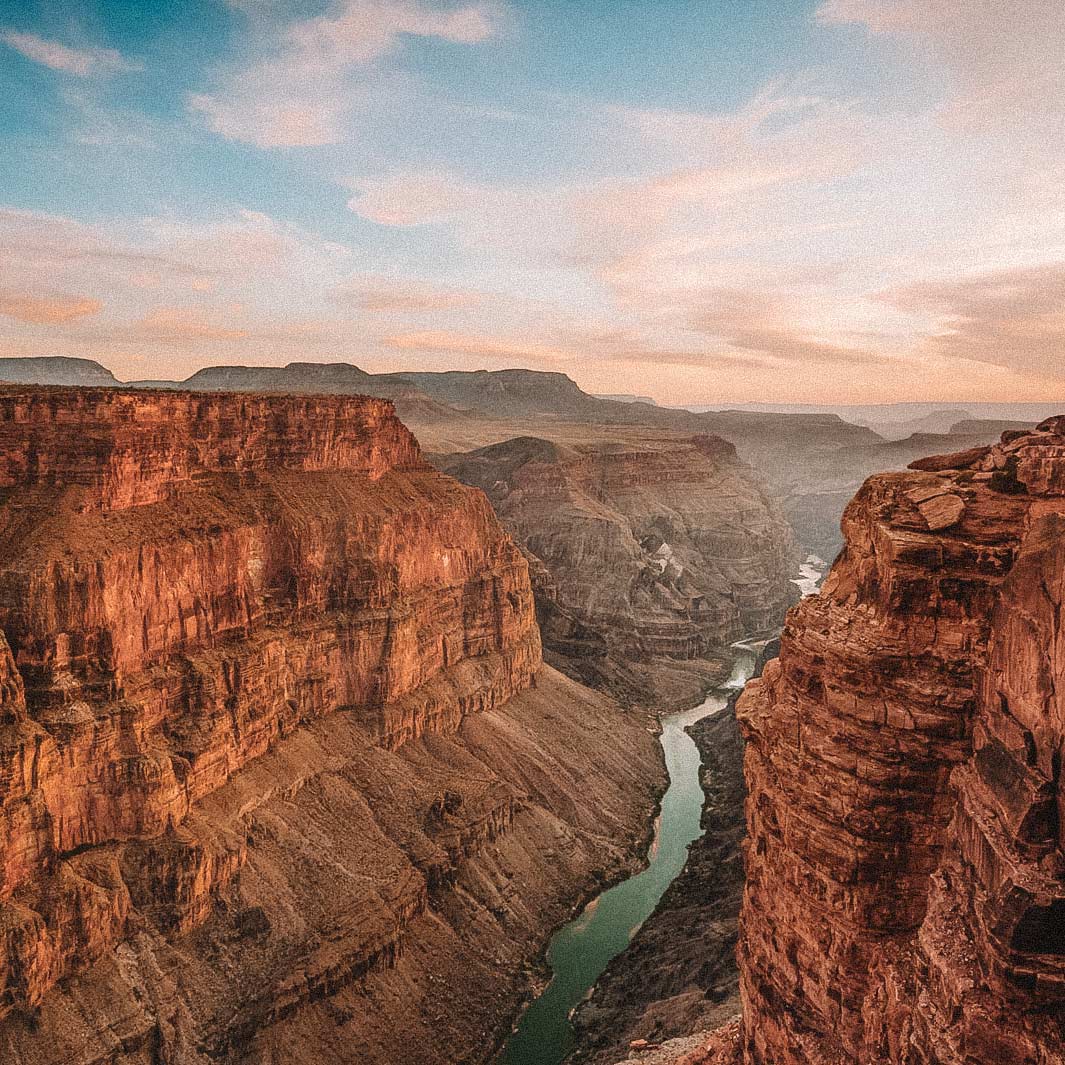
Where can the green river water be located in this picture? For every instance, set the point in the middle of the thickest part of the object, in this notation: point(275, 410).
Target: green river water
point(581, 950)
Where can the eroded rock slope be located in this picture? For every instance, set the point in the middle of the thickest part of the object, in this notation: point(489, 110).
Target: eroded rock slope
point(647, 557)
point(279, 760)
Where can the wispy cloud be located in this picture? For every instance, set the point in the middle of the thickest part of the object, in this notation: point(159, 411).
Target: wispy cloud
point(1001, 59)
point(47, 309)
point(415, 198)
point(769, 325)
point(471, 349)
point(81, 62)
point(246, 247)
point(384, 295)
point(309, 77)
point(191, 323)
point(1009, 318)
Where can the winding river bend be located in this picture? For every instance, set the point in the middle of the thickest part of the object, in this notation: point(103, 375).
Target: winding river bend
point(581, 950)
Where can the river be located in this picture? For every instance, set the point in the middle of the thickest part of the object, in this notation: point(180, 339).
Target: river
point(581, 950)
point(810, 575)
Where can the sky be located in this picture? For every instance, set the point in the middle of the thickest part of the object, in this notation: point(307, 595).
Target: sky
point(701, 201)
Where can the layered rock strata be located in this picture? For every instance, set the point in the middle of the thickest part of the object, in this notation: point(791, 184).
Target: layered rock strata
point(647, 559)
point(905, 898)
point(201, 851)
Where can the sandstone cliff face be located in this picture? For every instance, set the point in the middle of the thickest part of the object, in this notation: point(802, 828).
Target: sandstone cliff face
point(644, 557)
point(196, 844)
point(905, 897)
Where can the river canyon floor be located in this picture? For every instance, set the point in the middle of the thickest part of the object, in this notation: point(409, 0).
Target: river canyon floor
point(580, 952)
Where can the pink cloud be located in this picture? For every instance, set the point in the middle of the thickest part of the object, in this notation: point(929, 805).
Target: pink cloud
point(248, 248)
point(186, 323)
point(1009, 318)
point(81, 62)
point(469, 347)
point(411, 199)
point(47, 310)
point(358, 31)
point(396, 295)
point(1003, 59)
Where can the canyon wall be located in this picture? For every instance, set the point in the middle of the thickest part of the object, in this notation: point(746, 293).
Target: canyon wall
point(647, 557)
point(265, 685)
point(905, 897)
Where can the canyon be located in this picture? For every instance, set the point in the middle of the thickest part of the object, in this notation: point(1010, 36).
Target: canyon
point(651, 547)
point(283, 777)
point(286, 778)
point(811, 459)
point(648, 557)
point(905, 862)
point(678, 975)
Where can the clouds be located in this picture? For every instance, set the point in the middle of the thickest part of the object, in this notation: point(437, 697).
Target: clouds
point(47, 309)
point(191, 323)
point(1009, 318)
point(469, 350)
point(1003, 60)
point(306, 79)
point(415, 198)
point(246, 285)
point(758, 323)
point(81, 62)
point(485, 188)
point(383, 295)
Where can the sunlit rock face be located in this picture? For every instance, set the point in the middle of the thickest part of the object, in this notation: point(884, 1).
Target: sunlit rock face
point(644, 555)
point(241, 637)
point(905, 897)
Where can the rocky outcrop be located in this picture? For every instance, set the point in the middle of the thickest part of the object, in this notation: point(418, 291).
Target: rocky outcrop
point(905, 898)
point(647, 559)
point(245, 637)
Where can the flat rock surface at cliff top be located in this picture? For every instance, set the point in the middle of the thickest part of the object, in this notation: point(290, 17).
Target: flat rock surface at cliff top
point(648, 555)
point(268, 732)
point(905, 894)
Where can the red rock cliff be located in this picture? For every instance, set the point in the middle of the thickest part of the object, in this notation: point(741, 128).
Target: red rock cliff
point(186, 580)
point(905, 896)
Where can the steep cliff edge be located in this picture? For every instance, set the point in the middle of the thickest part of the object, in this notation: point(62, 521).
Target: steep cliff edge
point(905, 897)
point(647, 557)
point(278, 757)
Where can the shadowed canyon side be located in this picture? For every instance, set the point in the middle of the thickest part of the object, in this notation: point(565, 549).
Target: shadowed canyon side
point(282, 776)
point(905, 898)
point(647, 558)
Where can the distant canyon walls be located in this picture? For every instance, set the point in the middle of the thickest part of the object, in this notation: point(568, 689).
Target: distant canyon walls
point(245, 639)
point(905, 898)
point(648, 557)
